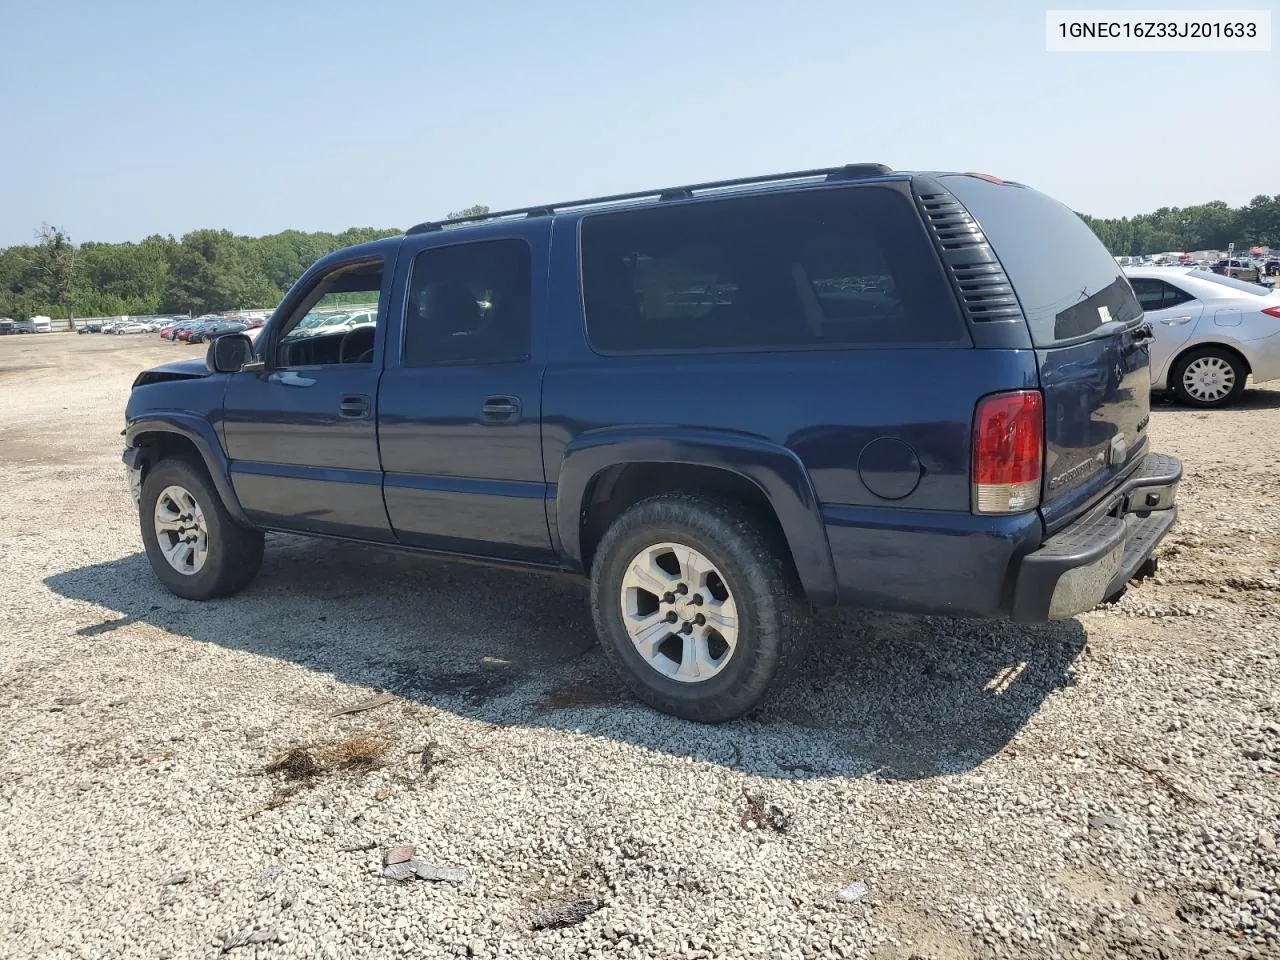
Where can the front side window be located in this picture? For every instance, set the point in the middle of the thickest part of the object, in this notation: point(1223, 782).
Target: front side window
point(825, 268)
point(336, 322)
point(469, 303)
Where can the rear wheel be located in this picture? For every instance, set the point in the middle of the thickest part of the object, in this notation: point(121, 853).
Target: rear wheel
point(694, 606)
point(195, 547)
point(1209, 377)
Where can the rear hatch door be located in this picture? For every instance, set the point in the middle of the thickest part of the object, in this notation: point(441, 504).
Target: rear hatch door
point(1089, 335)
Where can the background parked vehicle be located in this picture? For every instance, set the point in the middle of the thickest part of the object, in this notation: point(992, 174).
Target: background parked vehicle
point(215, 328)
point(171, 331)
point(131, 326)
point(89, 328)
point(319, 325)
point(7, 326)
point(1212, 332)
point(187, 329)
point(1240, 269)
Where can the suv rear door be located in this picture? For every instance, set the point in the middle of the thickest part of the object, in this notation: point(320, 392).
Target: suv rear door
point(460, 403)
point(1088, 332)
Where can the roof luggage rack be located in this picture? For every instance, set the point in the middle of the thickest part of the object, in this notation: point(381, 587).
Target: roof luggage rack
point(850, 171)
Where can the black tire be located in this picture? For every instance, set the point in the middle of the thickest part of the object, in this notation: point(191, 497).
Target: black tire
point(235, 551)
point(1230, 357)
point(755, 571)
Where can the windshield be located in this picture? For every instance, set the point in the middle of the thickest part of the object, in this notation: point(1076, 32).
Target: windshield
point(1244, 286)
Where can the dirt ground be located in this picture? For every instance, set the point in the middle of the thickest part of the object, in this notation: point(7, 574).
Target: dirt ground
point(1107, 786)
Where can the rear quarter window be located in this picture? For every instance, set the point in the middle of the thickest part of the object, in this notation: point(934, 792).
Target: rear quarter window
point(1066, 282)
point(832, 268)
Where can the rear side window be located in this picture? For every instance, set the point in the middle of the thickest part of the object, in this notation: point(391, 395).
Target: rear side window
point(1064, 278)
point(1157, 295)
point(469, 303)
point(824, 268)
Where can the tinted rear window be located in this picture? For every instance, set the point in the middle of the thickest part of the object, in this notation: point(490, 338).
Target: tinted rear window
point(823, 268)
point(1065, 280)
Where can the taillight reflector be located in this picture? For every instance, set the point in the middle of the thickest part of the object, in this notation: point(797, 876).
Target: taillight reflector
point(1008, 452)
point(1272, 312)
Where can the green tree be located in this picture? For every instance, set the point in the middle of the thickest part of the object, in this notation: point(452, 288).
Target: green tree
point(477, 210)
point(207, 274)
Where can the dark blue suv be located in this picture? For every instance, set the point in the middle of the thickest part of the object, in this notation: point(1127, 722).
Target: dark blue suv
point(724, 403)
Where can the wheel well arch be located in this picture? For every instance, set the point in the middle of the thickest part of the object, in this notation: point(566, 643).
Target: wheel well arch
point(160, 444)
point(186, 435)
point(616, 488)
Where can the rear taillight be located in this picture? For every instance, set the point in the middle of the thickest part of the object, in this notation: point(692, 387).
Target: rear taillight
point(1008, 452)
point(1272, 312)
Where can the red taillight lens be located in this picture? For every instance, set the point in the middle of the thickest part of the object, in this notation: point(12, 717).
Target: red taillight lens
point(1008, 452)
point(1272, 312)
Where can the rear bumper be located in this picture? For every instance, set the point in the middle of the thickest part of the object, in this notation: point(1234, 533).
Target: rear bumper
point(1080, 566)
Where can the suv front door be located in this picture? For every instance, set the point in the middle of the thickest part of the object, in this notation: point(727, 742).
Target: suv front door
point(301, 433)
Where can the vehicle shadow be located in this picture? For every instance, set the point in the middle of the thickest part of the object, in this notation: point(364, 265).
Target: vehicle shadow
point(890, 696)
point(1254, 398)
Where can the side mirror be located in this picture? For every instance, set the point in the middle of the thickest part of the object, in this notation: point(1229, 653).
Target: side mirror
point(228, 353)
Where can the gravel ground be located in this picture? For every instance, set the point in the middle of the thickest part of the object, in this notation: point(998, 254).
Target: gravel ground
point(173, 782)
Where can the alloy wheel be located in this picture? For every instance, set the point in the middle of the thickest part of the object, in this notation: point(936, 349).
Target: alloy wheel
point(181, 530)
point(679, 612)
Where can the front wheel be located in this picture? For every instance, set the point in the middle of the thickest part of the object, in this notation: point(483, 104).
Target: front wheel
point(1209, 377)
point(195, 547)
point(695, 606)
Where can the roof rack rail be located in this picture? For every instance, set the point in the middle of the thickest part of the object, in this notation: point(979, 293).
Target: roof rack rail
point(850, 171)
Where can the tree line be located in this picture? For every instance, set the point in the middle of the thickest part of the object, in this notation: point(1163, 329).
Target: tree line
point(211, 271)
point(1207, 226)
point(207, 271)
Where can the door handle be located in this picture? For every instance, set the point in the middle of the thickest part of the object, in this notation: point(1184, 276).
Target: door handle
point(1170, 321)
point(501, 409)
point(354, 407)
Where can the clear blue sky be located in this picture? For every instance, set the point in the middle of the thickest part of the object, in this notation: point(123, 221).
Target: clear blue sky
point(124, 118)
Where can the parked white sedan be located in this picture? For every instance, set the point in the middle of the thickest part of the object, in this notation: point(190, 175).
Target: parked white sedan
point(1211, 332)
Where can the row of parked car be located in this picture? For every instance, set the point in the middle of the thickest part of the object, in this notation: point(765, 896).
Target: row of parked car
point(195, 330)
point(202, 329)
point(123, 326)
point(206, 328)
